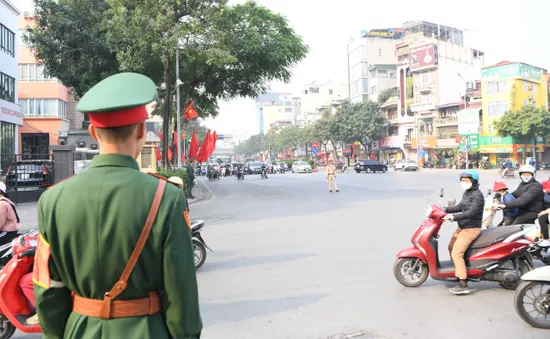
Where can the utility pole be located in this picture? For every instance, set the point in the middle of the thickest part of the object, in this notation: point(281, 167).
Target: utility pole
point(178, 108)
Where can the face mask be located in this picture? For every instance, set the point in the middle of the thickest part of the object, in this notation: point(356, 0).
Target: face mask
point(525, 178)
point(465, 185)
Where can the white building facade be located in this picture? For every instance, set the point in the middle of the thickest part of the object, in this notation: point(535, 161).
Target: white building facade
point(372, 63)
point(11, 116)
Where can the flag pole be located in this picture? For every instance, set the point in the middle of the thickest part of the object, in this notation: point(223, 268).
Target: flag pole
point(178, 116)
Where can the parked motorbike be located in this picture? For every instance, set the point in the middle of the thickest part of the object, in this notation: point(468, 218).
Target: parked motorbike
point(532, 298)
point(14, 307)
point(428, 164)
point(499, 254)
point(199, 245)
point(263, 173)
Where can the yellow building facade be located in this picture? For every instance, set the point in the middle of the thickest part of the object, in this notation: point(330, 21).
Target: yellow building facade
point(507, 86)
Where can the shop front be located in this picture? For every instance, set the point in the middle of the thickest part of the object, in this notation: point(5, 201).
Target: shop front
point(390, 149)
point(11, 118)
point(498, 149)
point(422, 147)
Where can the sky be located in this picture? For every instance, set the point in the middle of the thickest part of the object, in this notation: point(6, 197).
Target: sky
point(503, 31)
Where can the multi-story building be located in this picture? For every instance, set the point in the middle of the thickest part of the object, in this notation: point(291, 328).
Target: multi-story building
point(48, 109)
point(10, 112)
point(435, 74)
point(372, 63)
point(271, 107)
point(507, 86)
point(316, 95)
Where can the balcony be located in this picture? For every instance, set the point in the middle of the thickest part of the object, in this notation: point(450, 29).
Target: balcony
point(448, 121)
point(425, 88)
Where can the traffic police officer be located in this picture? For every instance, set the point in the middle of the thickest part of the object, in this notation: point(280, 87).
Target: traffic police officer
point(96, 225)
point(331, 176)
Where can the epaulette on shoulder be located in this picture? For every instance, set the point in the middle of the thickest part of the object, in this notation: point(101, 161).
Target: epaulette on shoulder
point(162, 178)
point(60, 181)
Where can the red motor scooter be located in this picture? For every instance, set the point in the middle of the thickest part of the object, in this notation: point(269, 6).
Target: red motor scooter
point(499, 254)
point(15, 309)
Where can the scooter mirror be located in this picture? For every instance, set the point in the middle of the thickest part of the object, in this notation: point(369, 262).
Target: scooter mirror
point(451, 202)
point(441, 192)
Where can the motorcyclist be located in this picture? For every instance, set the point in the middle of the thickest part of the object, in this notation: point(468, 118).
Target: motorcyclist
point(469, 215)
point(544, 215)
point(529, 197)
point(509, 214)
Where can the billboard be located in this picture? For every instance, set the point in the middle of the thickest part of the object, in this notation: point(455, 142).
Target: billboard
point(423, 56)
point(512, 71)
point(468, 121)
point(384, 33)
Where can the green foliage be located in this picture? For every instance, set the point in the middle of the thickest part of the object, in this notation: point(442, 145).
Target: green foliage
point(386, 94)
point(361, 122)
point(226, 51)
point(69, 40)
point(526, 124)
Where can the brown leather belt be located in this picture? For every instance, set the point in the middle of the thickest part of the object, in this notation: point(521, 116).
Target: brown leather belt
point(117, 308)
point(108, 308)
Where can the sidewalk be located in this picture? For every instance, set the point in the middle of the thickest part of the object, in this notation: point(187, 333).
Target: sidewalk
point(29, 216)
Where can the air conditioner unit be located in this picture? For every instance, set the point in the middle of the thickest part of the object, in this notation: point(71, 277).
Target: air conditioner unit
point(531, 87)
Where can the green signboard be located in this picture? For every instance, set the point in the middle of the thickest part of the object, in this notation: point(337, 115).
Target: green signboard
point(512, 71)
point(472, 141)
point(496, 140)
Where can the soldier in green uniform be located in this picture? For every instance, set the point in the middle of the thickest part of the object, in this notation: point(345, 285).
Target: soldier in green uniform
point(114, 259)
point(190, 179)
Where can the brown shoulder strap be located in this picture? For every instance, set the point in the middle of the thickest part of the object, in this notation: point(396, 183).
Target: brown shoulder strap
point(120, 285)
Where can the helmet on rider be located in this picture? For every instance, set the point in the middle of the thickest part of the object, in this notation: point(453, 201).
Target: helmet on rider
point(469, 179)
point(2, 188)
point(526, 173)
point(176, 180)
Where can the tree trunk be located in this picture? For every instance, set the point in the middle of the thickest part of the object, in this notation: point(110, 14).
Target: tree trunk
point(167, 106)
point(335, 156)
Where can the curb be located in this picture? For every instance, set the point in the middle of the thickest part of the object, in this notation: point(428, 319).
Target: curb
point(200, 194)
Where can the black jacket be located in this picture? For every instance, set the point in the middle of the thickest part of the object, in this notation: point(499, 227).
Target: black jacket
point(529, 197)
point(469, 212)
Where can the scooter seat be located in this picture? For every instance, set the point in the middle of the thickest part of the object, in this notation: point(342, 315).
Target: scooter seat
point(494, 235)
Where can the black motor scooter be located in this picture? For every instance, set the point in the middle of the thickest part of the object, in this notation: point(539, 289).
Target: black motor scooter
point(199, 245)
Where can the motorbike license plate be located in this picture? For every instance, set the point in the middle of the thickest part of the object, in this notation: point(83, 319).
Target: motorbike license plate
point(24, 176)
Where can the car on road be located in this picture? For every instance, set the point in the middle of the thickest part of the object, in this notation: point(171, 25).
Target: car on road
point(27, 175)
point(301, 167)
point(370, 166)
point(254, 167)
point(406, 165)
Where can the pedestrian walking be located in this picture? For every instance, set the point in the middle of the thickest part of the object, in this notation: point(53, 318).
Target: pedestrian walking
point(331, 176)
point(190, 179)
point(95, 226)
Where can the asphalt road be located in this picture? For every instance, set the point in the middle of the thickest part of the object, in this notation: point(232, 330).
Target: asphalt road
point(294, 261)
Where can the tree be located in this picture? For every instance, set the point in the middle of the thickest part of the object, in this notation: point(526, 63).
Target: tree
point(226, 51)
point(526, 124)
point(69, 40)
point(269, 141)
point(360, 122)
point(322, 131)
point(386, 94)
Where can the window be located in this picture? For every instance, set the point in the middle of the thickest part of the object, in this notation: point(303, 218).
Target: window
point(7, 145)
point(373, 90)
point(33, 72)
point(329, 91)
point(7, 41)
point(7, 87)
point(426, 77)
point(534, 89)
point(497, 86)
point(21, 40)
point(524, 102)
point(525, 86)
point(314, 90)
point(498, 108)
point(379, 52)
point(501, 87)
point(43, 108)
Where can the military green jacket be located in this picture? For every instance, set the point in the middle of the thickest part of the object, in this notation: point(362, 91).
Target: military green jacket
point(190, 173)
point(92, 222)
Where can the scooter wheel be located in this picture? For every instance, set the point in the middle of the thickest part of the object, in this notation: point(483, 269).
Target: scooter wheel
point(199, 254)
point(402, 272)
point(540, 303)
point(6, 328)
